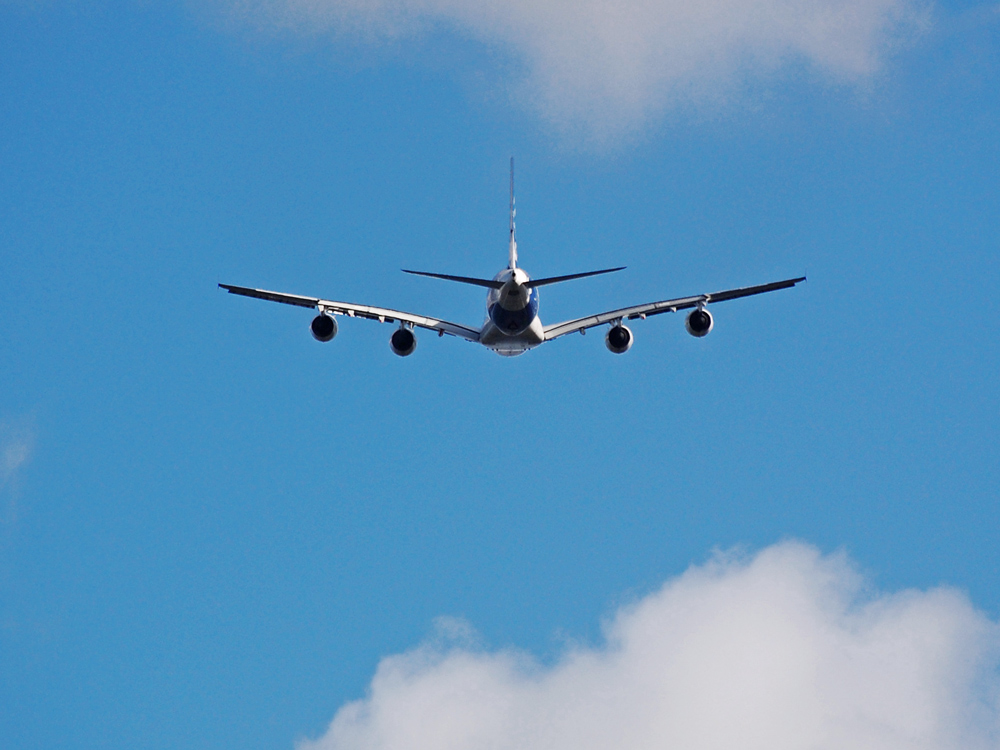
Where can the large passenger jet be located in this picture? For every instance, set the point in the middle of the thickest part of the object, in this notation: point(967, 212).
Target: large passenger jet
point(512, 325)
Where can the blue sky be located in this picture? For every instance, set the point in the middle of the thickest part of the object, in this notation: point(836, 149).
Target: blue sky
point(213, 527)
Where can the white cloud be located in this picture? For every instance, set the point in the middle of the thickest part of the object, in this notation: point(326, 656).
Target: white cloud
point(16, 443)
point(606, 66)
point(787, 650)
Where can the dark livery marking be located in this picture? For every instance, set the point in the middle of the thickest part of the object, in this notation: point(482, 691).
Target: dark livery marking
point(513, 322)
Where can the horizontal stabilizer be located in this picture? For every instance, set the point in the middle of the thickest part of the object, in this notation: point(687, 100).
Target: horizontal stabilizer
point(488, 283)
point(494, 284)
point(556, 279)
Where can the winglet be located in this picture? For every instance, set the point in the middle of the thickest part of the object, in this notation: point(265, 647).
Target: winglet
point(513, 213)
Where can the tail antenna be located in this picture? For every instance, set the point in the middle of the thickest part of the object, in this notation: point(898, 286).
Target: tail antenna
point(513, 213)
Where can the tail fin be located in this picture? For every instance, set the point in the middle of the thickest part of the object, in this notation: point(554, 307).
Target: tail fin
point(513, 213)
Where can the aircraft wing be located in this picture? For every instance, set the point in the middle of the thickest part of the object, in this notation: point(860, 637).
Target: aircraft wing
point(381, 314)
point(655, 308)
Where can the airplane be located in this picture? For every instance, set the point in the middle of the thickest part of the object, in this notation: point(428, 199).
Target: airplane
point(512, 325)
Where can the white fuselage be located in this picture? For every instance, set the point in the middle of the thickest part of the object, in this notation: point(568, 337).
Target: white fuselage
point(512, 325)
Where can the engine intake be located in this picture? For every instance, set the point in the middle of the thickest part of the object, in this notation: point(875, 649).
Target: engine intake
point(403, 342)
point(323, 327)
point(618, 339)
point(699, 323)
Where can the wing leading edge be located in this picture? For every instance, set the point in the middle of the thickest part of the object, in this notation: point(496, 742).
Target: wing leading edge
point(670, 305)
point(381, 314)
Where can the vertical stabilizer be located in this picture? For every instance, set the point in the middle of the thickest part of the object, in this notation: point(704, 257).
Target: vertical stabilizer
point(513, 213)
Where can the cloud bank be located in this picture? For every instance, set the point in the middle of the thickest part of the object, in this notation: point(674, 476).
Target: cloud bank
point(787, 650)
point(607, 66)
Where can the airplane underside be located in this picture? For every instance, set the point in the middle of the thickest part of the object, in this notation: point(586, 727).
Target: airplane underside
point(511, 345)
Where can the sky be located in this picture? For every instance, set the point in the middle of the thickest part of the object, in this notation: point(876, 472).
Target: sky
point(216, 532)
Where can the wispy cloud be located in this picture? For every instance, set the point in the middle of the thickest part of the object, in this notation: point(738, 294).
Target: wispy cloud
point(604, 67)
point(788, 649)
point(17, 443)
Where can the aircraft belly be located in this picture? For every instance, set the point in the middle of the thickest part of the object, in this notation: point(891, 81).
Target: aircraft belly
point(495, 339)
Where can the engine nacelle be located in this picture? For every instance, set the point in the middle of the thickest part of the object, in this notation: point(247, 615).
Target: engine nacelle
point(699, 323)
point(323, 327)
point(618, 339)
point(403, 342)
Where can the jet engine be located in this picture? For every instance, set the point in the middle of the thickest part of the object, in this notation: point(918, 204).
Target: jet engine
point(699, 323)
point(323, 327)
point(403, 342)
point(618, 339)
